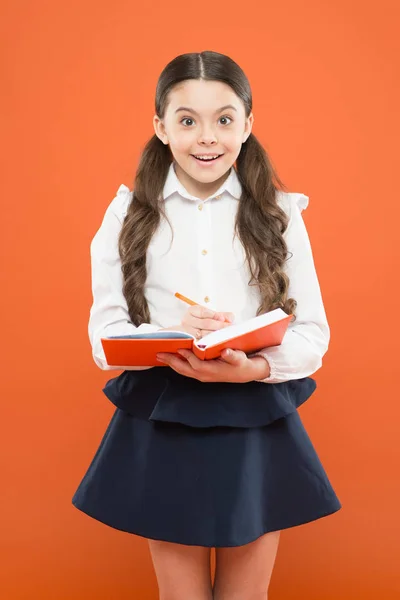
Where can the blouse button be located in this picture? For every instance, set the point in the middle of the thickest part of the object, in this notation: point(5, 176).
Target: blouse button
point(206, 299)
point(200, 207)
point(204, 252)
point(218, 197)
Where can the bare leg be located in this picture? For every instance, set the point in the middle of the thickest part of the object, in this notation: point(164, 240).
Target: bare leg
point(244, 572)
point(183, 572)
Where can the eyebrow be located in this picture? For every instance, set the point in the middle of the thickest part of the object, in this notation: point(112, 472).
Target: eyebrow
point(186, 109)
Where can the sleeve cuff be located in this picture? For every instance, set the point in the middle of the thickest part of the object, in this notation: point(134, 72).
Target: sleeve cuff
point(273, 375)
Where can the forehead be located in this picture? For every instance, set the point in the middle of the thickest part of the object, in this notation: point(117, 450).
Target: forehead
point(203, 96)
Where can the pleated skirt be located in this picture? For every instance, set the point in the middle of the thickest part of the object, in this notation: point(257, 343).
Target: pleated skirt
point(207, 485)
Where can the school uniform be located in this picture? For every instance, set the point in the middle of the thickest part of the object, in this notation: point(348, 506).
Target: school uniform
point(207, 464)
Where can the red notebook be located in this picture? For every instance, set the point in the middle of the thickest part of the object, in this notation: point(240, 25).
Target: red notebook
point(140, 349)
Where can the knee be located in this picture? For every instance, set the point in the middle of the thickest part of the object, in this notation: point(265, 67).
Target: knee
point(251, 596)
point(240, 595)
point(192, 596)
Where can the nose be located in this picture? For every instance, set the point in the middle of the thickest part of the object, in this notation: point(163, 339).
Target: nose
point(207, 137)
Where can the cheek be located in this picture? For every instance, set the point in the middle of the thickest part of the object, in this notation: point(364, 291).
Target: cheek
point(182, 146)
point(233, 138)
point(181, 141)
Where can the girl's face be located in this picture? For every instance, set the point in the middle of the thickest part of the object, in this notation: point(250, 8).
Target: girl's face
point(203, 119)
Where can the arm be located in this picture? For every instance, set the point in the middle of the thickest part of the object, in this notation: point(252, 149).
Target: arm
point(307, 338)
point(109, 312)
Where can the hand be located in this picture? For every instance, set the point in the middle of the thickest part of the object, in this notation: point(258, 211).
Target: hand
point(199, 320)
point(233, 366)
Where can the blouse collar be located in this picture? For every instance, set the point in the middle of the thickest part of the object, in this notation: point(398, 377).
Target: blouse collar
point(231, 185)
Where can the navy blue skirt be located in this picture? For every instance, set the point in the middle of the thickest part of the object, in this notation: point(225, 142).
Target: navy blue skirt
point(205, 464)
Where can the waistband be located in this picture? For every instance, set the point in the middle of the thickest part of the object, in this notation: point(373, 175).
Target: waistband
point(161, 394)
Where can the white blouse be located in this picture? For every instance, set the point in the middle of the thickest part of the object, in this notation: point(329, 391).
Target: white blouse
point(205, 263)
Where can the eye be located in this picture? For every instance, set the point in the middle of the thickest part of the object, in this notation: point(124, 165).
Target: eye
point(186, 119)
point(190, 119)
point(226, 117)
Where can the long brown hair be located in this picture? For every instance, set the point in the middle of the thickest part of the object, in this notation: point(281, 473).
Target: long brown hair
point(260, 222)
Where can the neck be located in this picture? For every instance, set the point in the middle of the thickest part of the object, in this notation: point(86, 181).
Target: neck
point(197, 188)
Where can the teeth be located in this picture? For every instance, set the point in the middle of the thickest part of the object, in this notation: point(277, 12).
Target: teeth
point(206, 157)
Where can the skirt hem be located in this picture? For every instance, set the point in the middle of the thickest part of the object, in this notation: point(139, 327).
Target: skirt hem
point(219, 544)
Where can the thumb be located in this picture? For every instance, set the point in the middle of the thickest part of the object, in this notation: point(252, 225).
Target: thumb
point(233, 357)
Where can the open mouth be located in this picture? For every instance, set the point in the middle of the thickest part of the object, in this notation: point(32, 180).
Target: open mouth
point(206, 160)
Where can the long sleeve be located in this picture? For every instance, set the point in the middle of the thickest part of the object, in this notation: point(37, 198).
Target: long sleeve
point(109, 311)
point(307, 338)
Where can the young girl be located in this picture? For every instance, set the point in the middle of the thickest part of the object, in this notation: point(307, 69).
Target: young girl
point(202, 455)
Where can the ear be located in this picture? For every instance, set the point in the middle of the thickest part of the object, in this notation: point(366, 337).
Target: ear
point(159, 129)
point(248, 127)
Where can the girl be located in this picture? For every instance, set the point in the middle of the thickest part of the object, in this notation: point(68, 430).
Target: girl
point(202, 455)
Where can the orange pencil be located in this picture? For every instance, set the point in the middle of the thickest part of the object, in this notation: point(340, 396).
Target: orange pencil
point(191, 302)
point(187, 300)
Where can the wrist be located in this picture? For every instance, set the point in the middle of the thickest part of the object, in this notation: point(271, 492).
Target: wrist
point(261, 368)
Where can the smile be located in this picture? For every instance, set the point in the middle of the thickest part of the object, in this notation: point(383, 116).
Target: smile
point(206, 159)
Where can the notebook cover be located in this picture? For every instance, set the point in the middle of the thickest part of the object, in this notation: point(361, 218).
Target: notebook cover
point(142, 352)
point(269, 335)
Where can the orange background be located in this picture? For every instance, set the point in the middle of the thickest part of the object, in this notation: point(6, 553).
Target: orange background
point(78, 81)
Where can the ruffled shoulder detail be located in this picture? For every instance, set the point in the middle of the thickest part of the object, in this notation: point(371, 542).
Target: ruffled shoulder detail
point(123, 189)
point(288, 199)
point(300, 199)
point(121, 200)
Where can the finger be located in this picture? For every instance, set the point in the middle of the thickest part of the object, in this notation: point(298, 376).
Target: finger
point(197, 333)
point(177, 363)
point(233, 357)
point(192, 359)
point(201, 312)
point(205, 324)
point(174, 360)
point(229, 316)
point(207, 313)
